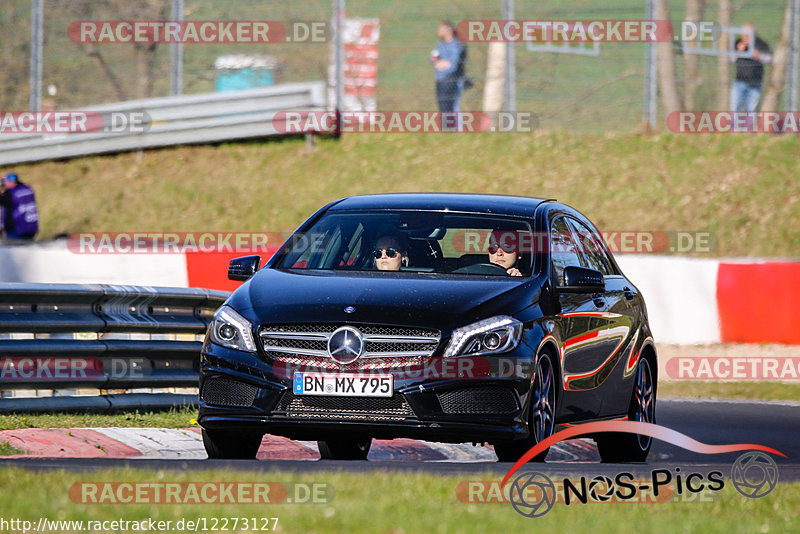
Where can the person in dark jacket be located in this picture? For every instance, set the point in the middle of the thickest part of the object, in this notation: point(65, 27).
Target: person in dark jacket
point(746, 89)
point(20, 216)
point(448, 60)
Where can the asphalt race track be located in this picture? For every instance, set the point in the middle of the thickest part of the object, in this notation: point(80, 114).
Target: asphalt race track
point(712, 422)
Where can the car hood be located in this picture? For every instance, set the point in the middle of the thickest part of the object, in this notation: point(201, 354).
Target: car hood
point(431, 300)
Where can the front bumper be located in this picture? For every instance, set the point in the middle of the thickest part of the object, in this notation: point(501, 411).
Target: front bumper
point(240, 391)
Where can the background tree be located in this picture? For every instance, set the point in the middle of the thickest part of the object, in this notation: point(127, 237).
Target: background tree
point(776, 78)
point(665, 65)
point(140, 68)
point(723, 63)
point(15, 53)
point(692, 75)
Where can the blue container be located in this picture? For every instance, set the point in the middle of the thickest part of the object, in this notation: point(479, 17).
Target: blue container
point(244, 78)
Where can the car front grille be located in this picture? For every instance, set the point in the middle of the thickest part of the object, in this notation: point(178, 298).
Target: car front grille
point(394, 408)
point(379, 341)
point(225, 392)
point(479, 400)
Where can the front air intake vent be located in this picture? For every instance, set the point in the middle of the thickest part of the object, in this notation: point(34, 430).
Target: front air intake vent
point(488, 400)
point(226, 392)
point(393, 408)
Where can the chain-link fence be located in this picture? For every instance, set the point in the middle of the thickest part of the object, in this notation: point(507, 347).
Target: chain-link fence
point(592, 87)
point(703, 82)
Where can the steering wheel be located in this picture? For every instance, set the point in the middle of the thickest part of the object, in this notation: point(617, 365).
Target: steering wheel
point(483, 268)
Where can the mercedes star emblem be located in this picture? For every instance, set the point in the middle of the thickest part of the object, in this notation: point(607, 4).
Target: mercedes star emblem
point(345, 345)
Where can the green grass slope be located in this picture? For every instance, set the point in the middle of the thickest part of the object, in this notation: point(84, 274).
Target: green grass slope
point(744, 189)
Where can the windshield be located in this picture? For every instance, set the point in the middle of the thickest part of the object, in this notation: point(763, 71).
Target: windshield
point(412, 241)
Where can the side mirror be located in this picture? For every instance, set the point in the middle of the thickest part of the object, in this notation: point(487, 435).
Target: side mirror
point(243, 268)
point(582, 280)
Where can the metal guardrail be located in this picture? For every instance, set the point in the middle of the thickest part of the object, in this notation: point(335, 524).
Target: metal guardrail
point(174, 120)
point(109, 337)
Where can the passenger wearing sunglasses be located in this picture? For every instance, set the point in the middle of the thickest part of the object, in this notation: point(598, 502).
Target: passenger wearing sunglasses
point(503, 251)
point(389, 254)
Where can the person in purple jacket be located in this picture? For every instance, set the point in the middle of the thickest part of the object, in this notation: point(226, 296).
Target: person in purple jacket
point(20, 216)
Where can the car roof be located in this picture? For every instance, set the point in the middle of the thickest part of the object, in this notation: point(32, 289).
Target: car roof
point(456, 202)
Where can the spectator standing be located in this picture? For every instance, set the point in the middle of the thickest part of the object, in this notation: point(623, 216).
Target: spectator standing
point(746, 89)
point(20, 216)
point(448, 62)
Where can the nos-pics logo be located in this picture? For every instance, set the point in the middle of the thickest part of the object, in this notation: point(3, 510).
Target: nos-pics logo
point(533, 494)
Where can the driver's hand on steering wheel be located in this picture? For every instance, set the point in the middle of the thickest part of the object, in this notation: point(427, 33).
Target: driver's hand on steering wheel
point(513, 271)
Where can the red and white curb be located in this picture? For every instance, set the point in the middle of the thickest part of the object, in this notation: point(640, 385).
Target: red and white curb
point(187, 443)
point(67, 443)
point(159, 442)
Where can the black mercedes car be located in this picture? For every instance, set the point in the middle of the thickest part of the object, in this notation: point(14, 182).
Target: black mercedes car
point(442, 317)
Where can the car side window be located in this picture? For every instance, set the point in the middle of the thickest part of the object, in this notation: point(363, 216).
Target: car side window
point(313, 244)
point(563, 251)
point(592, 250)
point(353, 251)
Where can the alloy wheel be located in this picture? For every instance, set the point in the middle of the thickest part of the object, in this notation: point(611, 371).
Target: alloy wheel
point(544, 399)
point(644, 399)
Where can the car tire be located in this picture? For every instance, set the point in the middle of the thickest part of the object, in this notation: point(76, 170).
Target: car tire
point(227, 445)
point(627, 448)
point(344, 448)
point(541, 420)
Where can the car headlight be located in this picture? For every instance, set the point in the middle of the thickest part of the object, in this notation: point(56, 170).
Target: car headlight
point(490, 336)
point(231, 330)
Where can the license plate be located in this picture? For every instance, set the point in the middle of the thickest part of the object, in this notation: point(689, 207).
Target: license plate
point(343, 385)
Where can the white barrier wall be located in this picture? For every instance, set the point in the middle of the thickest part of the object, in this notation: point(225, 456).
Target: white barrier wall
point(681, 296)
point(54, 263)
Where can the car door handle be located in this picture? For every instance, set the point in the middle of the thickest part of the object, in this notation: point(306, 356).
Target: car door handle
point(628, 293)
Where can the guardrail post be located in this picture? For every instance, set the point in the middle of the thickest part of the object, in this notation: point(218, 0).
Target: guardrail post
point(650, 81)
point(176, 53)
point(338, 17)
point(794, 55)
point(510, 86)
point(37, 41)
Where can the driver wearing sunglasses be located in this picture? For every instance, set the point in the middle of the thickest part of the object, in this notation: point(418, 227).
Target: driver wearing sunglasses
point(503, 251)
point(389, 254)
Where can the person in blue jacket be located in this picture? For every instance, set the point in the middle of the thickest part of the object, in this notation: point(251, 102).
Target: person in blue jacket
point(448, 63)
point(20, 216)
